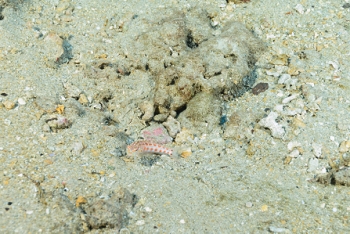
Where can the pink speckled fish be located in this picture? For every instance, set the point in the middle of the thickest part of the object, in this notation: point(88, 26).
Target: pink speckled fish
point(148, 147)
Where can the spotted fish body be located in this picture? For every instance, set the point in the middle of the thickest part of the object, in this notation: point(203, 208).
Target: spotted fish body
point(148, 147)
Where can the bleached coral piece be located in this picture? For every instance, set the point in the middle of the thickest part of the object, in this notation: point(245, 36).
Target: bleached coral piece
point(269, 122)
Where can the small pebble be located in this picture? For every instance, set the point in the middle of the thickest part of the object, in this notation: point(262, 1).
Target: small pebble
point(249, 204)
point(9, 105)
point(259, 88)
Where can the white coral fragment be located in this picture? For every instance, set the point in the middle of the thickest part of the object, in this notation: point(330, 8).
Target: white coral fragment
point(269, 122)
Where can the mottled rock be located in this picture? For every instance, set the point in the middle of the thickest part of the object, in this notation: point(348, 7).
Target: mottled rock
point(148, 110)
point(173, 126)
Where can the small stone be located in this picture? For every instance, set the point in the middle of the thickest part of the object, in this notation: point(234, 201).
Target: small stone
point(186, 152)
point(264, 208)
point(80, 200)
point(249, 204)
point(83, 99)
point(48, 161)
point(9, 105)
point(259, 88)
point(160, 117)
point(21, 101)
point(344, 147)
point(184, 136)
point(148, 110)
point(346, 5)
point(173, 126)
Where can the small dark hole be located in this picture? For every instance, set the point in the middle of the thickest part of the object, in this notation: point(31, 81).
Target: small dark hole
point(4, 94)
point(190, 41)
point(181, 109)
point(7, 208)
point(9, 203)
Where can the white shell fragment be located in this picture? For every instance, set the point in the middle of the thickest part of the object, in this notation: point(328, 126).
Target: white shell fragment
point(21, 101)
point(300, 9)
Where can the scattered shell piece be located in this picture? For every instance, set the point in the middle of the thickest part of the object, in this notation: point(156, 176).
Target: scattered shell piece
point(279, 230)
point(313, 165)
point(289, 99)
point(300, 9)
point(21, 101)
point(140, 222)
point(283, 78)
point(293, 144)
point(147, 209)
point(269, 122)
point(294, 153)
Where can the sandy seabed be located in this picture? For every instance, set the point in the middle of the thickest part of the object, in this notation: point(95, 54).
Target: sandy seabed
point(76, 89)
